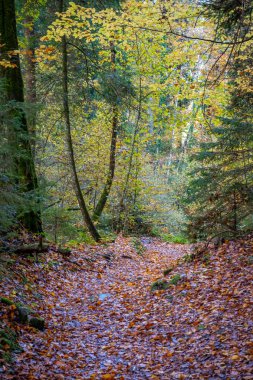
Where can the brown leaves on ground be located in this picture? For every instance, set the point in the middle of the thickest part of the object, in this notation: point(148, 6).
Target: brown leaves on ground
point(104, 322)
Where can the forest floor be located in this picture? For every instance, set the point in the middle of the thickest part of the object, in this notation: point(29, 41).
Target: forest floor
point(103, 320)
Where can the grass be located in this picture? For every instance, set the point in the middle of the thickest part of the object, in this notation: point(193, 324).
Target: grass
point(178, 239)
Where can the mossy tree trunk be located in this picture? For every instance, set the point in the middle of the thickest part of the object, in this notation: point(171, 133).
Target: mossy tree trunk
point(30, 78)
point(18, 135)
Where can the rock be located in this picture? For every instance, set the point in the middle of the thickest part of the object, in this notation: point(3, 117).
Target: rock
point(167, 271)
point(126, 257)
point(23, 314)
point(37, 323)
point(64, 251)
point(108, 256)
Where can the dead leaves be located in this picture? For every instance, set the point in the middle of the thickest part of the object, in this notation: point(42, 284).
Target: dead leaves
point(109, 325)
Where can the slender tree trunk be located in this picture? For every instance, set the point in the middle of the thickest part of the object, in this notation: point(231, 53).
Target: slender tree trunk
point(30, 79)
point(18, 138)
point(76, 184)
point(106, 191)
point(130, 165)
point(103, 198)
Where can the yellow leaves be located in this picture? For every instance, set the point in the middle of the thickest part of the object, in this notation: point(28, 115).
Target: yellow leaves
point(82, 319)
point(108, 376)
point(168, 354)
point(7, 64)
point(235, 357)
point(130, 284)
point(44, 38)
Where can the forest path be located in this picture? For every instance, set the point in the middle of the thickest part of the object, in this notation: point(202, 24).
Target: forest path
point(103, 325)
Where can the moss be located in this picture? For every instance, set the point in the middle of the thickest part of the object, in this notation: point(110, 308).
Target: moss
point(37, 323)
point(175, 279)
point(250, 260)
point(167, 271)
point(189, 258)
point(6, 301)
point(8, 344)
point(159, 285)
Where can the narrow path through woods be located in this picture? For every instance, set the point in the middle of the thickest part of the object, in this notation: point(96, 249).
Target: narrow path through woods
point(106, 323)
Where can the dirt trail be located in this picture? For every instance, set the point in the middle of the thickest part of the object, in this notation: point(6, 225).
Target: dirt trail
point(104, 322)
point(106, 325)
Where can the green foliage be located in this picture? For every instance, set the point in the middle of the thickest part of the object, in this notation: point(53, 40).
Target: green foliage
point(153, 85)
point(173, 239)
point(230, 15)
point(219, 195)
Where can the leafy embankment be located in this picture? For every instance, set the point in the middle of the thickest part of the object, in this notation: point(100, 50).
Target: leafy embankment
point(114, 313)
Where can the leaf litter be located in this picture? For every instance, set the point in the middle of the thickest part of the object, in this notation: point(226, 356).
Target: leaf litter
point(104, 321)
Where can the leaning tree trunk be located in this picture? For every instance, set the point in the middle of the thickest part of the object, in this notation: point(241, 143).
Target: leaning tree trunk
point(75, 180)
point(106, 191)
point(18, 135)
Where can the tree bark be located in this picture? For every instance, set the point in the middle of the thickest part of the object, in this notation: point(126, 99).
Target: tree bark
point(76, 185)
point(30, 79)
point(18, 135)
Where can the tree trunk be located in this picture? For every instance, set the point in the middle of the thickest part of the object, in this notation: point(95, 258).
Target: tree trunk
point(130, 165)
point(30, 79)
point(75, 180)
point(18, 136)
point(103, 198)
